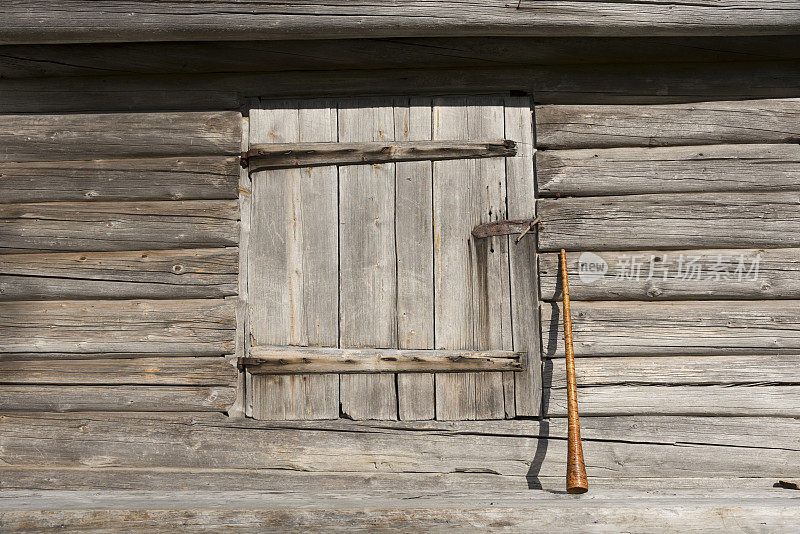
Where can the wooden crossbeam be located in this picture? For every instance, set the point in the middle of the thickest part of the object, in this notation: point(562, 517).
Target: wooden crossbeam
point(290, 359)
point(287, 155)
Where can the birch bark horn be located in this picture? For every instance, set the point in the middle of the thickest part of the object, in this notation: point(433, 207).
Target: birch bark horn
point(577, 481)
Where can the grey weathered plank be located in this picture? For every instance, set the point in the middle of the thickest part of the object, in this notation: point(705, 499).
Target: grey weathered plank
point(679, 370)
point(750, 274)
point(772, 401)
point(675, 328)
point(634, 83)
point(187, 327)
point(587, 126)
point(204, 371)
point(95, 59)
point(413, 212)
point(626, 447)
point(367, 258)
point(472, 304)
point(287, 155)
point(120, 179)
point(243, 405)
point(268, 360)
point(293, 281)
point(701, 220)
point(113, 226)
point(521, 195)
point(99, 135)
point(35, 22)
point(152, 274)
point(230, 480)
point(339, 511)
point(683, 169)
point(120, 397)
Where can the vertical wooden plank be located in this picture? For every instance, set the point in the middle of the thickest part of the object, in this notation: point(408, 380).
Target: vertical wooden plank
point(292, 266)
point(367, 258)
point(472, 308)
point(239, 408)
point(413, 228)
point(520, 183)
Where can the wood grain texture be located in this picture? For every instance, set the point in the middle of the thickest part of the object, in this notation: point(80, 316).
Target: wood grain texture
point(210, 371)
point(705, 274)
point(287, 155)
point(188, 327)
point(752, 370)
point(120, 179)
point(624, 447)
point(692, 169)
point(99, 135)
point(292, 264)
point(728, 401)
point(601, 83)
point(413, 212)
point(151, 274)
point(99, 59)
point(367, 258)
point(702, 123)
point(675, 328)
point(686, 510)
point(520, 198)
point(268, 360)
point(679, 221)
point(31, 23)
point(471, 283)
point(74, 398)
point(117, 226)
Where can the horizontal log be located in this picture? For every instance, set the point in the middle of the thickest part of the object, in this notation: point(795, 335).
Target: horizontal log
point(675, 328)
point(271, 360)
point(121, 179)
point(752, 121)
point(37, 22)
point(283, 155)
point(673, 221)
point(637, 83)
point(37, 398)
point(397, 510)
point(683, 169)
point(99, 135)
point(280, 480)
point(731, 401)
point(210, 371)
point(626, 447)
point(675, 274)
point(679, 370)
point(188, 327)
point(117, 226)
point(151, 274)
point(37, 61)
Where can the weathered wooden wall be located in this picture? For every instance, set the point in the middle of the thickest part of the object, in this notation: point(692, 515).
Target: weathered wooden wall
point(150, 20)
point(143, 321)
point(693, 211)
point(222, 75)
point(118, 261)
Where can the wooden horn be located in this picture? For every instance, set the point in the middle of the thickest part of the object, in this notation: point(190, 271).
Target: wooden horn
point(577, 481)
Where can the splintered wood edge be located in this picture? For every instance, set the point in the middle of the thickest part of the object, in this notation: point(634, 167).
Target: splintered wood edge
point(284, 360)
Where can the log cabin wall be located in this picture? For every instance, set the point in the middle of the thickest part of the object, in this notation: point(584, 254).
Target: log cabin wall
point(118, 261)
point(682, 224)
point(628, 442)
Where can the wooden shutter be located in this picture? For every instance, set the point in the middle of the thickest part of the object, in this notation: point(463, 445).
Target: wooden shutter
point(381, 256)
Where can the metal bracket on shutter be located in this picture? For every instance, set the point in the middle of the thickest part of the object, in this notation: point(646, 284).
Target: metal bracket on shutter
point(289, 155)
point(497, 228)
